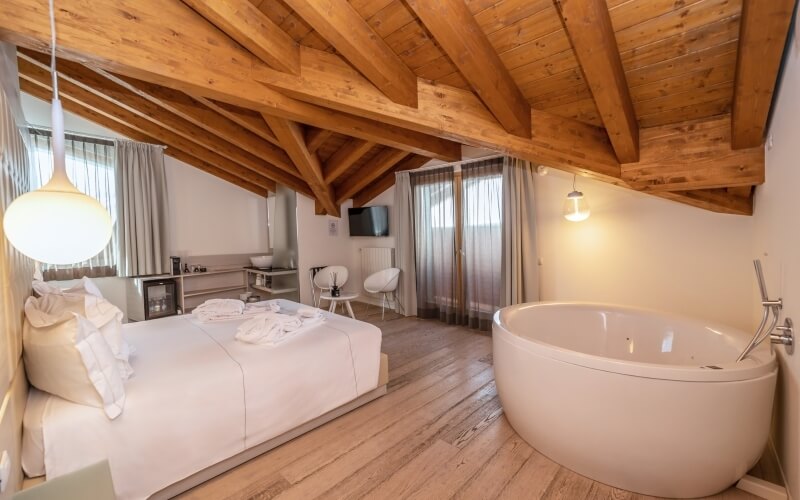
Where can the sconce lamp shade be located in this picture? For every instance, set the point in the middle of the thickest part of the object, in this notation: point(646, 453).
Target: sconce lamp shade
point(576, 208)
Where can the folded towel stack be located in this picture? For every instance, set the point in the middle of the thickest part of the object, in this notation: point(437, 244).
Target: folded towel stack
point(272, 328)
point(214, 310)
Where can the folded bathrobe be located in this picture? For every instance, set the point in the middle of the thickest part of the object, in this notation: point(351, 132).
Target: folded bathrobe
point(272, 328)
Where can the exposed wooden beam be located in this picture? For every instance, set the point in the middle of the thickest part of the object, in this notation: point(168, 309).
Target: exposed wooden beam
point(229, 172)
point(208, 119)
point(316, 137)
point(333, 95)
point(165, 136)
point(345, 157)
point(383, 162)
point(344, 28)
point(386, 181)
point(715, 200)
point(95, 83)
point(248, 119)
point(291, 136)
point(762, 35)
point(588, 24)
point(461, 37)
point(243, 22)
point(693, 155)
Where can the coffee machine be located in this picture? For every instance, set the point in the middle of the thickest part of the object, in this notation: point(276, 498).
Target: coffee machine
point(176, 265)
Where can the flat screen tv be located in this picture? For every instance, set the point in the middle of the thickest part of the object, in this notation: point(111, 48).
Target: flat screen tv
point(369, 221)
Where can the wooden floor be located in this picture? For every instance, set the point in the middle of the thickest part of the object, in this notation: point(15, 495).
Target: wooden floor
point(439, 433)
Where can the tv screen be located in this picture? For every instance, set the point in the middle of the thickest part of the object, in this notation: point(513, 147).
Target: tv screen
point(369, 221)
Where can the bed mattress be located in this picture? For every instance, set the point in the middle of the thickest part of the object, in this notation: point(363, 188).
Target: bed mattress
point(198, 397)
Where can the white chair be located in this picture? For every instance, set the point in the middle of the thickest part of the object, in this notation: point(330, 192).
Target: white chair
point(384, 282)
point(324, 279)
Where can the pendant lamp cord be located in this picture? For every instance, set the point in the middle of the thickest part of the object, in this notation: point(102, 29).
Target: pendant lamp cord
point(53, 49)
point(574, 176)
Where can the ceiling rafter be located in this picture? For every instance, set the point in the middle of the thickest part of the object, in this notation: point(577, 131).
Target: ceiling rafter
point(118, 120)
point(252, 121)
point(344, 28)
point(345, 157)
point(200, 115)
point(316, 137)
point(243, 22)
point(762, 35)
point(379, 165)
point(386, 180)
point(458, 33)
point(103, 88)
point(291, 136)
point(693, 155)
point(588, 25)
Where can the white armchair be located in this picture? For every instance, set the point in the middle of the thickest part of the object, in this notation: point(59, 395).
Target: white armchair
point(384, 282)
point(324, 279)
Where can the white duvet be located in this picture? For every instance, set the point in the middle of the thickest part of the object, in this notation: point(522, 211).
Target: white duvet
point(198, 397)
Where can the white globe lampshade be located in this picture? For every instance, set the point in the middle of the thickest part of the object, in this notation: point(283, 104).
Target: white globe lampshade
point(57, 224)
point(57, 227)
point(576, 208)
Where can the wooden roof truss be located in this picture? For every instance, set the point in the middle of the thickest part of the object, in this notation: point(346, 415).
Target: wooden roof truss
point(331, 97)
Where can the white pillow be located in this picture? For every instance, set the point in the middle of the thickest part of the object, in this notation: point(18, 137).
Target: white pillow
point(103, 314)
point(66, 355)
point(85, 286)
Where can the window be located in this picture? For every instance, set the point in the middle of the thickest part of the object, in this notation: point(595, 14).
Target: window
point(458, 221)
point(90, 166)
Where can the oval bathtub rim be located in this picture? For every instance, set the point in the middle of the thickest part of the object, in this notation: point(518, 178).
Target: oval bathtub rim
point(751, 368)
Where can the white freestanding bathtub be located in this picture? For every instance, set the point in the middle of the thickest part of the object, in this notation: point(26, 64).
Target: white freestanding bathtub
point(639, 400)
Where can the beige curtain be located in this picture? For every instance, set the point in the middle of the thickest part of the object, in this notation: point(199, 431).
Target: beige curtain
point(520, 270)
point(403, 215)
point(142, 209)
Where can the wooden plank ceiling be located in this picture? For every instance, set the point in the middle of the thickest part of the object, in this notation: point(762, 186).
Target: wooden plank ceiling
point(332, 97)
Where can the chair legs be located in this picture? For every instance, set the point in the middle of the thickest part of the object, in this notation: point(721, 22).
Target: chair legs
point(383, 306)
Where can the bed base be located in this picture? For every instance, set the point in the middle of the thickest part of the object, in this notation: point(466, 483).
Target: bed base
point(251, 453)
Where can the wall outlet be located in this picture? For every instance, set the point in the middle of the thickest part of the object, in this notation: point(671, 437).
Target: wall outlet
point(5, 470)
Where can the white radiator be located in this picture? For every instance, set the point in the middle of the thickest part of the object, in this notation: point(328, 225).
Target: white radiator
point(374, 260)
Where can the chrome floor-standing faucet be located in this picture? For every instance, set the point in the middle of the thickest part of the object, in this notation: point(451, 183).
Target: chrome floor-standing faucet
point(786, 335)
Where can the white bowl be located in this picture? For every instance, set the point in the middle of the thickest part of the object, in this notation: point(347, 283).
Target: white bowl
point(261, 261)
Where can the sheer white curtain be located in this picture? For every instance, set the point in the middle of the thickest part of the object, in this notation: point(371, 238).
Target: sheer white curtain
point(435, 244)
point(90, 166)
point(482, 241)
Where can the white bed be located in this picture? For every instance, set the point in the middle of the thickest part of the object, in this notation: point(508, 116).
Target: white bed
point(199, 397)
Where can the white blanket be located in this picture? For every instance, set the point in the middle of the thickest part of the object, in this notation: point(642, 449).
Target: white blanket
point(199, 397)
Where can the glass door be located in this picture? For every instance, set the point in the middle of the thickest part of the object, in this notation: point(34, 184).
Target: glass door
point(160, 299)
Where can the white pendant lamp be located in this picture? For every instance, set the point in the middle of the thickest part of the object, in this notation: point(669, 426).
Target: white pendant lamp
point(57, 224)
point(576, 208)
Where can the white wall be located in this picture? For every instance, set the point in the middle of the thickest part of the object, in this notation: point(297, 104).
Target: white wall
point(317, 248)
point(208, 216)
point(640, 250)
point(212, 217)
point(777, 243)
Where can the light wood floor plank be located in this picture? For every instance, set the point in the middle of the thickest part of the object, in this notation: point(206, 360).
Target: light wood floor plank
point(498, 471)
point(406, 479)
point(532, 480)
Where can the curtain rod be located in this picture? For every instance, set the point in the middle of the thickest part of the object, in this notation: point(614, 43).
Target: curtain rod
point(458, 163)
point(91, 136)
